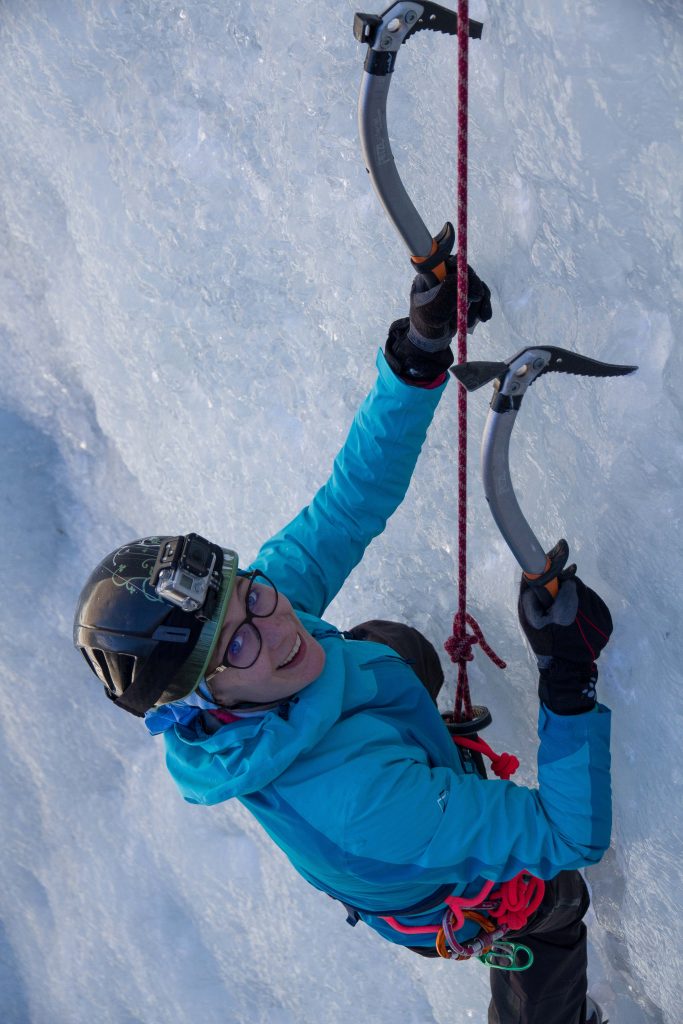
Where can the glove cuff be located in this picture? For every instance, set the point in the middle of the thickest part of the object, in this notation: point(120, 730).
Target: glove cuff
point(411, 363)
point(428, 345)
point(567, 687)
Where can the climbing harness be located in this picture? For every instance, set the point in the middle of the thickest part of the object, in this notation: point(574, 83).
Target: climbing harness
point(511, 381)
point(510, 906)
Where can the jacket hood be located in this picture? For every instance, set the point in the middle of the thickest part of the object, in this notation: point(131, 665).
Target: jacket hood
point(259, 747)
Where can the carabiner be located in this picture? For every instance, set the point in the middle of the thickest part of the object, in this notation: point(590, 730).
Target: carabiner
point(503, 956)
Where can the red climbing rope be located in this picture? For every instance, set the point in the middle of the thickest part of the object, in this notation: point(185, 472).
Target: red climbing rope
point(463, 702)
point(459, 645)
point(463, 36)
point(515, 900)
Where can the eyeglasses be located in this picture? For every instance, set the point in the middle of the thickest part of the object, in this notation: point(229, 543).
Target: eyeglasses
point(260, 601)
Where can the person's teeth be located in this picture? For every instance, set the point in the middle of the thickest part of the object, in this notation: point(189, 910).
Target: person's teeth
point(293, 653)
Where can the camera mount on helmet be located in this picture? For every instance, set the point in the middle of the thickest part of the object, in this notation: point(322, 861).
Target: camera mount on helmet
point(187, 573)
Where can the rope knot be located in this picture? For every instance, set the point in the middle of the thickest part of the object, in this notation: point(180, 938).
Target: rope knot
point(504, 766)
point(520, 897)
point(460, 647)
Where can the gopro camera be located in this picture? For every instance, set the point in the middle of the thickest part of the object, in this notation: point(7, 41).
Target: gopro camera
point(187, 573)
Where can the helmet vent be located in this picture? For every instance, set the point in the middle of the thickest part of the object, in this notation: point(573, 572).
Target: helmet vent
point(97, 664)
point(124, 666)
point(102, 663)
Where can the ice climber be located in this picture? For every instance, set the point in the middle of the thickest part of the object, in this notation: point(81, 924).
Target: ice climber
point(332, 738)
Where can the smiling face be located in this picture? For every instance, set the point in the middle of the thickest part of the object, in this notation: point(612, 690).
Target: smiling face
point(288, 661)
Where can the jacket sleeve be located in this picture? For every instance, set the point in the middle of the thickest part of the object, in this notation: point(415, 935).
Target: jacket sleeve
point(446, 827)
point(312, 556)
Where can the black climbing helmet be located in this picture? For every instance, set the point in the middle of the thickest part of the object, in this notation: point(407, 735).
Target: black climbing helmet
point(149, 616)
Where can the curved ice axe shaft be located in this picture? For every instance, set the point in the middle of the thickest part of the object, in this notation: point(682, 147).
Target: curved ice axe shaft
point(511, 382)
point(384, 35)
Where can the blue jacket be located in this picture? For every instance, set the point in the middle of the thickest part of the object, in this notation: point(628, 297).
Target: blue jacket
point(360, 785)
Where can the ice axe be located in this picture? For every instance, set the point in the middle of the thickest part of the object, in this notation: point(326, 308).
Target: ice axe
point(384, 34)
point(511, 380)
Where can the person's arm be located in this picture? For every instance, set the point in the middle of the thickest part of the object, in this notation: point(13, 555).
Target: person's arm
point(495, 829)
point(312, 556)
point(437, 826)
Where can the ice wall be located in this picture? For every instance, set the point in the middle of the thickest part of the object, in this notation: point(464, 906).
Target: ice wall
point(194, 279)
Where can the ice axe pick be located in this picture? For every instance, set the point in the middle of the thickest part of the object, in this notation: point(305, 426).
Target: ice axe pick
point(511, 380)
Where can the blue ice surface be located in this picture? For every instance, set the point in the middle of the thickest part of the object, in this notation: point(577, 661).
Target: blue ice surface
point(195, 279)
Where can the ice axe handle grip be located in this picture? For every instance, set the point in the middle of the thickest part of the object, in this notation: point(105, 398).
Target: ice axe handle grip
point(433, 266)
point(545, 592)
point(546, 584)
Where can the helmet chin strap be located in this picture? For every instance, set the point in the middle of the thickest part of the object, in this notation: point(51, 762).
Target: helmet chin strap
point(243, 707)
point(253, 707)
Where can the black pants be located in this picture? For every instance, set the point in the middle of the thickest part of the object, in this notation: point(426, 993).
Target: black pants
point(553, 989)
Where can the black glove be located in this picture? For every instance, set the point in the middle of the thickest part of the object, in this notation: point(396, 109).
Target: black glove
point(411, 363)
point(433, 309)
point(567, 639)
point(417, 348)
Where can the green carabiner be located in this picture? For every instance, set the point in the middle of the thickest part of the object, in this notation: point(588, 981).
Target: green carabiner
point(503, 956)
